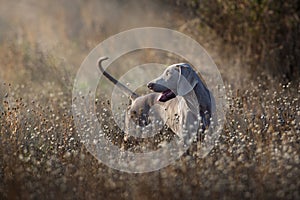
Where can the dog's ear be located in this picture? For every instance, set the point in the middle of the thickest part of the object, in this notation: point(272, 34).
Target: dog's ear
point(187, 79)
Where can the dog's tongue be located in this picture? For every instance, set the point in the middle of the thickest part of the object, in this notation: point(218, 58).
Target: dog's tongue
point(166, 95)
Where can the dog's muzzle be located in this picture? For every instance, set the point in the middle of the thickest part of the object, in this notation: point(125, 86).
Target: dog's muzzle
point(166, 93)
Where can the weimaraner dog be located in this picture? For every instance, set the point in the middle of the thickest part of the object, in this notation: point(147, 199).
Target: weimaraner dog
point(178, 82)
point(181, 80)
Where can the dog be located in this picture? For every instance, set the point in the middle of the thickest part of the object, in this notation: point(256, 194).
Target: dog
point(178, 93)
point(181, 80)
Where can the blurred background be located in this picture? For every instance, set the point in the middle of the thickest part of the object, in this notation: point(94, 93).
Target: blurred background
point(245, 37)
point(255, 45)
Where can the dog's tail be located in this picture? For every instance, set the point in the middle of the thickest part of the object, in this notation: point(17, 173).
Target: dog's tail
point(125, 89)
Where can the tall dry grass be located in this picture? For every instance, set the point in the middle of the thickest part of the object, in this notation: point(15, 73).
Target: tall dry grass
point(41, 156)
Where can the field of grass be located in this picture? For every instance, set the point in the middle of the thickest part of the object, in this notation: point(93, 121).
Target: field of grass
point(41, 157)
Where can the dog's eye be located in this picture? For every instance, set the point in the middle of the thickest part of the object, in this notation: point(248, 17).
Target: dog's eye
point(167, 73)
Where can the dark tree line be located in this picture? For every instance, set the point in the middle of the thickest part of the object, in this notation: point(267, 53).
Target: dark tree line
point(266, 32)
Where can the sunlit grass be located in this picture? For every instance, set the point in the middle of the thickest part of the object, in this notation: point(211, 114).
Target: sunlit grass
point(257, 155)
point(41, 157)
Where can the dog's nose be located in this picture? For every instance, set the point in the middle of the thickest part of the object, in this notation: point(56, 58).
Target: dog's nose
point(150, 85)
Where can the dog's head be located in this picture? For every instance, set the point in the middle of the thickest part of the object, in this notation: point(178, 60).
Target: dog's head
point(178, 79)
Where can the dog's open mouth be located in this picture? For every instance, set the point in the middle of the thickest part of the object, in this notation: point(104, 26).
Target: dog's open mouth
point(166, 95)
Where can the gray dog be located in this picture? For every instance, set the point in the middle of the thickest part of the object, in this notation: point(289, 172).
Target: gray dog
point(178, 93)
point(181, 80)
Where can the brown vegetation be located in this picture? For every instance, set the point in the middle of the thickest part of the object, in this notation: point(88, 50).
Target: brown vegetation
point(264, 32)
point(41, 156)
